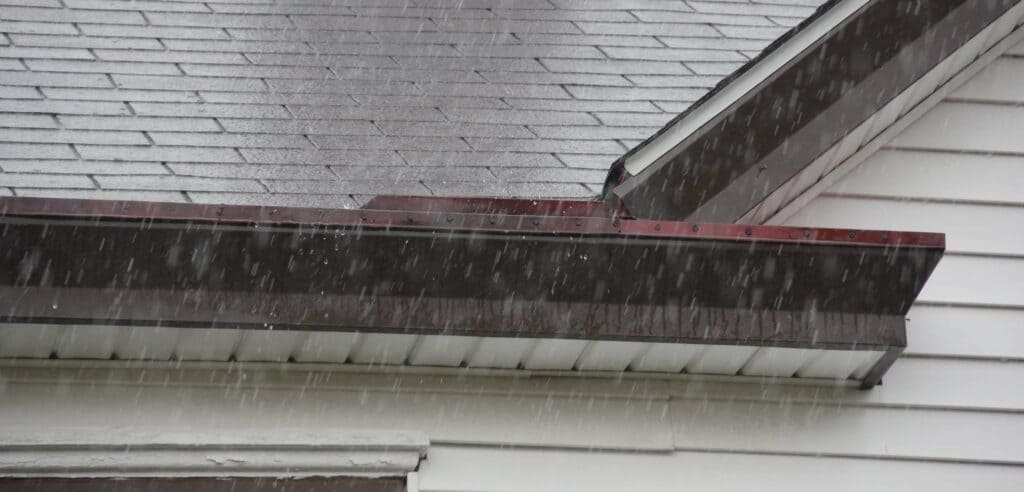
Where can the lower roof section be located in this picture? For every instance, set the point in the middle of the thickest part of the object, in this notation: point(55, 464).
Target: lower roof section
point(467, 271)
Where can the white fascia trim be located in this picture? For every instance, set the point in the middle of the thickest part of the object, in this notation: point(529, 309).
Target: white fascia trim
point(92, 452)
point(743, 84)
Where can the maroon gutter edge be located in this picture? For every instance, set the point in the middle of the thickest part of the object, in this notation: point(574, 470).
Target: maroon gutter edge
point(473, 214)
point(459, 266)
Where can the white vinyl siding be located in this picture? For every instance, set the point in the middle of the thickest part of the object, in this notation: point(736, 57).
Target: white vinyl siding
point(456, 468)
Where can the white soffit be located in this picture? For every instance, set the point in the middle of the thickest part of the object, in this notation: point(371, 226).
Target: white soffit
point(253, 452)
point(745, 82)
point(29, 341)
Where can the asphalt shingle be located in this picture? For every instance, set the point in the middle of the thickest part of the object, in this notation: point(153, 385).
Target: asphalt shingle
point(139, 123)
point(128, 15)
point(322, 157)
point(103, 67)
point(19, 120)
point(53, 106)
point(83, 167)
point(36, 52)
point(325, 103)
point(85, 42)
point(78, 95)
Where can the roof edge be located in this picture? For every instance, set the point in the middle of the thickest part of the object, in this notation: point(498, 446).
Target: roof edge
point(451, 272)
point(728, 91)
point(889, 121)
point(758, 129)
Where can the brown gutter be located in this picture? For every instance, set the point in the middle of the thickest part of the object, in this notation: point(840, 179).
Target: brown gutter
point(742, 155)
point(523, 268)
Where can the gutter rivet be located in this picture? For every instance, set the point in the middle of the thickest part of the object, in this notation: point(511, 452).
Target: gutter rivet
point(408, 218)
point(852, 235)
point(579, 222)
point(362, 216)
point(536, 222)
point(449, 218)
point(696, 228)
point(807, 234)
point(657, 227)
point(748, 231)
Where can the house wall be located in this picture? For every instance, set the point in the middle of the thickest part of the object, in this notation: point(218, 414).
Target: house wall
point(949, 415)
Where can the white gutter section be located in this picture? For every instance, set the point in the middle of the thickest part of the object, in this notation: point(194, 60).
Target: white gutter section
point(743, 84)
point(276, 452)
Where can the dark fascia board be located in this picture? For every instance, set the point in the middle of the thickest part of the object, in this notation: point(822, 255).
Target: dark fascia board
point(528, 268)
point(724, 169)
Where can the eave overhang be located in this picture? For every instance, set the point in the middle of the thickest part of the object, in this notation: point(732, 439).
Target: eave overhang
point(436, 267)
point(763, 126)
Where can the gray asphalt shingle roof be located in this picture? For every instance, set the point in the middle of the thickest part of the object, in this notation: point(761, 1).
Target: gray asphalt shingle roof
point(328, 102)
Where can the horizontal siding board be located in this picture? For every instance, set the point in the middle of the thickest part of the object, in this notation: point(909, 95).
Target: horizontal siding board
point(969, 228)
point(958, 127)
point(474, 469)
point(952, 331)
point(999, 82)
point(938, 176)
point(847, 431)
point(951, 383)
point(976, 280)
point(584, 421)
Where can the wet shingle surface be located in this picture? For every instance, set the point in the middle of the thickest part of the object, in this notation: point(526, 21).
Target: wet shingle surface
point(328, 102)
